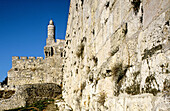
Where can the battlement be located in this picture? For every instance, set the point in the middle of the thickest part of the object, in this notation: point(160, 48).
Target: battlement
point(60, 43)
point(26, 58)
point(16, 60)
point(15, 57)
point(41, 58)
point(60, 40)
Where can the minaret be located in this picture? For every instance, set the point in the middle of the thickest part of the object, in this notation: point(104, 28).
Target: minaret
point(51, 33)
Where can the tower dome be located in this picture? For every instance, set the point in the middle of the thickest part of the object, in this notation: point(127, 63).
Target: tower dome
point(51, 22)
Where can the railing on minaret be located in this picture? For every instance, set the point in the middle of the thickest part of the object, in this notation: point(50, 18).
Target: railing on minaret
point(51, 33)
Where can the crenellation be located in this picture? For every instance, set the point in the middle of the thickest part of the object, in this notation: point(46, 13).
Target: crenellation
point(24, 62)
point(60, 40)
point(23, 58)
point(31, 58)
point(15, 57)
point(14, 60)
point(40, 58)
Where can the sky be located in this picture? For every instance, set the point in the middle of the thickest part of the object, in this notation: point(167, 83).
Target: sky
point(23, 28)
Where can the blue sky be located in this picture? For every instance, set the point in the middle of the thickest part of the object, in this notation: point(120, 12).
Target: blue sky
point(23, 28)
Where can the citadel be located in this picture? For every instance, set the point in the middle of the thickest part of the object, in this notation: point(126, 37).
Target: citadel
point(115, 57)
point(31, 70)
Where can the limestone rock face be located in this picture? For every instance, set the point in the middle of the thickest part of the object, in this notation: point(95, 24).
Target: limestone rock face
point(117, 55)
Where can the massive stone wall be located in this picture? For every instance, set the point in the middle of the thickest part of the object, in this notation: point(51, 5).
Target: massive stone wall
point(117, 55)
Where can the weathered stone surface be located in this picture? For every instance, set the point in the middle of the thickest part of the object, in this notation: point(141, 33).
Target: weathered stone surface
point(115, 58)
point(123, 63)
point(28, 94)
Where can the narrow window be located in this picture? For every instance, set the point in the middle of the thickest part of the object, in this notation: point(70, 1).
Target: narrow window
point(52, 52)
point(15, 69)
point(46, 53)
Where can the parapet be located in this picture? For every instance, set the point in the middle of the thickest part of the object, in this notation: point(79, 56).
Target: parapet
point(15, 57)
point(24, 58)
point(40, 58)
point(32, 58)
point(60, 40)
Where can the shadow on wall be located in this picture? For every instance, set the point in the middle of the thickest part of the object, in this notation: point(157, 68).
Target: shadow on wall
point(30, 93)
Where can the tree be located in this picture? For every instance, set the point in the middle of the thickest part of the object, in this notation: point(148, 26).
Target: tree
point(4, 82)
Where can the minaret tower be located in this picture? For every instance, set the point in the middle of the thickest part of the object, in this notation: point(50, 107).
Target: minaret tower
point(50, 41)
point(51, 33)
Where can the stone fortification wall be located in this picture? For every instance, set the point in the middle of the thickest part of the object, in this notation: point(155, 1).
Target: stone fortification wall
point(26, 71)
point(29, 75)
point(28, 94)
point(7, 87)
point(53, 63)
point(6, 91)
point(117, 55)
point(31, 70)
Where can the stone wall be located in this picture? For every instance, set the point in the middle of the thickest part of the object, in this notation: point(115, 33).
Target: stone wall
point(117, 55)
point(31, 70)
point(7, 87)
point(53, 64)
point(28, 94)
point(26, 71)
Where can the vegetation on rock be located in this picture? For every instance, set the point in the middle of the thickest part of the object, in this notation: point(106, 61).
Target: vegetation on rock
point(136, 5)
point(80, 50)
point(38, 106)
point(102, 98)
point(119, 72)
point(150, 88)
point(4, 82)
